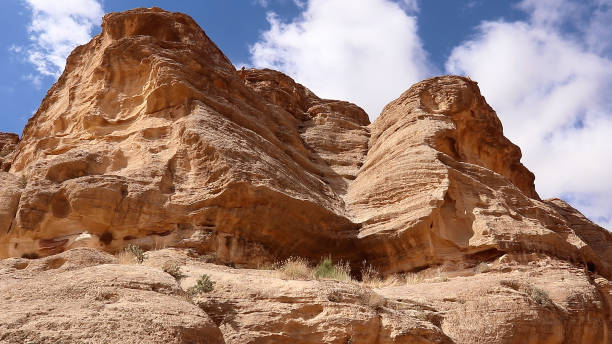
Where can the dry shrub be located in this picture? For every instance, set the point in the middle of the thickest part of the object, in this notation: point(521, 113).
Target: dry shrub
point(173, 269)
point(296, 268)
point(434, 275)
point(535, 293)
point(370, 277)
point(137, 252)
point(126, 258)
point(413, 278)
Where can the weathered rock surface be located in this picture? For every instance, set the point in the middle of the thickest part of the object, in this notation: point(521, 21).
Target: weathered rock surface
point(442, 180)
point(151, 137)
point(84, 296)
point(8, 142)
point(521, 298)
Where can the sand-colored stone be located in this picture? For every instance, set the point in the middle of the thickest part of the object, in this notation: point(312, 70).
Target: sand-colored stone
point(151, 137)
point(442, 181)
point(165, 144)
point(8, 142)
point(84, 296)
point(519, 298)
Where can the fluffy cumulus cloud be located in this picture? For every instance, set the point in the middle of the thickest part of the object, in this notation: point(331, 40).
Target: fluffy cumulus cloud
point(57, 27)
point(367, 53)
point(549, 79)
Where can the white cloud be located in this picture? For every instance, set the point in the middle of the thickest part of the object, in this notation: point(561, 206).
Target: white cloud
point(262, 3)
point(367, 53)
point(551, 88)
point(411, 6)
point(57, 27)
point(15, 49)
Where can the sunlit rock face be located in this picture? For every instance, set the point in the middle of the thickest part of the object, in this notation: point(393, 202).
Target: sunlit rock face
point(152, 137)
point(8, 142)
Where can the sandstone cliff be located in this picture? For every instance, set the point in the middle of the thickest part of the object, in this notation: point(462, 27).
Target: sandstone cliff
point(151, 137)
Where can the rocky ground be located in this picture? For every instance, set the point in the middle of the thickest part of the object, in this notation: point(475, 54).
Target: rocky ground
point(87, 296)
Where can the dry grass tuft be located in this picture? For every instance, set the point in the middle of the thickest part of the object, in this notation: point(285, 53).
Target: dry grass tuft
point(434, 275)
point(296, 268)
point(536, 294)
point(126, 258)
point(173, 269)
point(371, 278)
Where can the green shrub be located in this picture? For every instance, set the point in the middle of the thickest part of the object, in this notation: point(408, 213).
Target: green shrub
point(327, 269)
point(203, 285)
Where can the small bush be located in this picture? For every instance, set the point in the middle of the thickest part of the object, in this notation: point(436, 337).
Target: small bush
point(539, 295)
point(535, 293)
point(208, 258)
point(137, 252)
point(203, 285)
point(512, 284)
point(125, 257)
point(327, 269)
point(369, 275)
point(173, 269)
point(296, 268)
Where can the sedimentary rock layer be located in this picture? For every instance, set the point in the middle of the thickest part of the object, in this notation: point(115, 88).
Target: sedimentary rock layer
point(152, 137)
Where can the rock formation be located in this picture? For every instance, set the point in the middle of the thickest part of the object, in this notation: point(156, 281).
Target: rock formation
point(151, 137)
point(7, 146)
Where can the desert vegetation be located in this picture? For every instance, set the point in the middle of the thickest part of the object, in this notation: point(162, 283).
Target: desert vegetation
point(132, 254)
point(173, 269)
point(203, 285)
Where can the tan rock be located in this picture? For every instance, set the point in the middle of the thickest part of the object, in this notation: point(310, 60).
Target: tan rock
point(83, 296)
point(152, 137)
point(441, 183)
point(520, 299)
point(8, 143)
point(166, 145)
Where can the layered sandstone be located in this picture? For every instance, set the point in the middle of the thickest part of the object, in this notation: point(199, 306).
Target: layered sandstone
point(152, 137)
point(85, 296)
point(8, 142)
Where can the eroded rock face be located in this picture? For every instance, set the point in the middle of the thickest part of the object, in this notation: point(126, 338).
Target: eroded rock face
point(152, 137)
point(8, 142)
point(84, 296)
point(442, 180)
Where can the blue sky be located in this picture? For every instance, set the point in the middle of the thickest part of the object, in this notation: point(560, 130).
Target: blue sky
point(544, 65)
